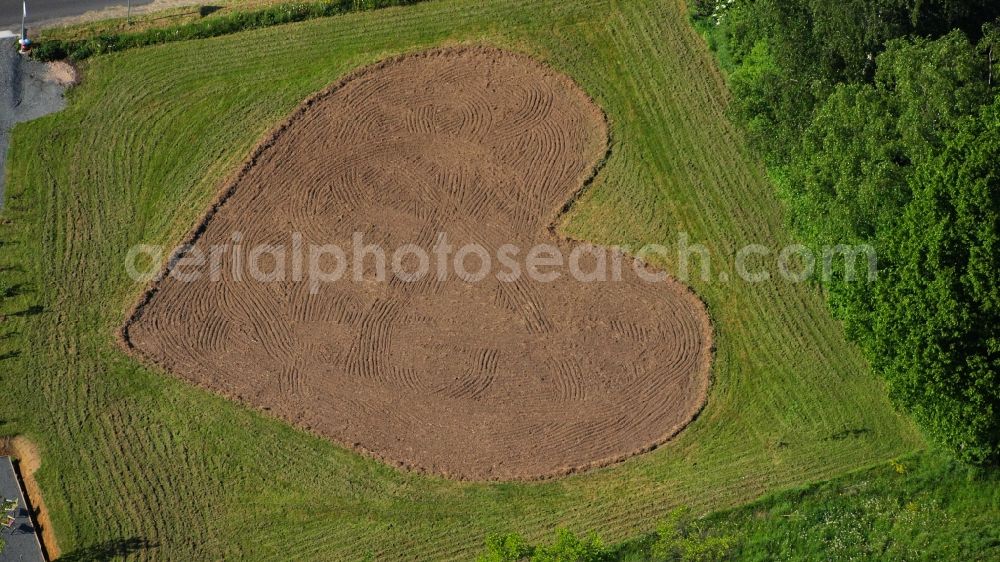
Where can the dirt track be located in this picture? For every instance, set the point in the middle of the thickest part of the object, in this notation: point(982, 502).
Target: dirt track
point(488, 380)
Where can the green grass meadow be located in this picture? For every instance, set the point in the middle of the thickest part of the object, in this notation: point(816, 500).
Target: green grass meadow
point(135, 458)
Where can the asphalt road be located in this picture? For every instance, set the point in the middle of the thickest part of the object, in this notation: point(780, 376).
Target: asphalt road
point(44, 10)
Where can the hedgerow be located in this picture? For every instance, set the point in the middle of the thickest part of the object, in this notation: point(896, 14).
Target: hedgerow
point(79, 49)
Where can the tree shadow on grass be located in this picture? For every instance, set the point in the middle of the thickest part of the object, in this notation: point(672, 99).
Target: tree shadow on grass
point(34, 310)
point(11, 291)
point(848, 432)
point(109, 550)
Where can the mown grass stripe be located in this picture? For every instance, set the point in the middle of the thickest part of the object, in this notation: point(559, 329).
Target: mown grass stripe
point(139, 153)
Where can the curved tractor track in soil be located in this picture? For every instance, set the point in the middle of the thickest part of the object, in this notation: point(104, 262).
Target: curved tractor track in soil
point(481, 381)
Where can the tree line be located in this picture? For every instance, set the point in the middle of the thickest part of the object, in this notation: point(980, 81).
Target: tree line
point(879, 122)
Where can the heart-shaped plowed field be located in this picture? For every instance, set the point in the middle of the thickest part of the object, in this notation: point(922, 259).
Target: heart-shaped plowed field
point(495, 379)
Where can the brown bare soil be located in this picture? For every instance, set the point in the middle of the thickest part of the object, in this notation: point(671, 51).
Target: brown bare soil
point(487, 380)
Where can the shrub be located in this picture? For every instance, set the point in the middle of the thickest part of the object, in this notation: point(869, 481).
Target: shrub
point(571, 548)
point(702, 8)
point(567, 548)
point(504, 548)
point(678, 537)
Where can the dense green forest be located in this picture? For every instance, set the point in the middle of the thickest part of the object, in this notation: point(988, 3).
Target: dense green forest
point(880, 125)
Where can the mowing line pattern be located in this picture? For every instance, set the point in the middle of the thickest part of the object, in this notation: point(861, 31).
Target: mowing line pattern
point(129, 453)
point(478, 145)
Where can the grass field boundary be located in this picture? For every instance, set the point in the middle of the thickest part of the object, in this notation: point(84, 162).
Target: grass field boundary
point(103, 43)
